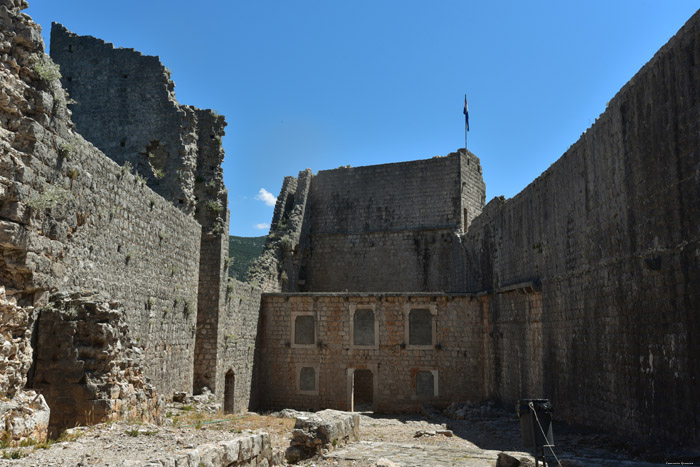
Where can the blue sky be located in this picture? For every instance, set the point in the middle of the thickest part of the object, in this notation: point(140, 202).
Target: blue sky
point(324, 83)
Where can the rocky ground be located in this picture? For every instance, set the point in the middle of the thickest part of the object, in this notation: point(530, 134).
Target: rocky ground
point(427, 439)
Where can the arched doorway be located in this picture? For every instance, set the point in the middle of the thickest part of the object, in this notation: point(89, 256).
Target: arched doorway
point(229, 386)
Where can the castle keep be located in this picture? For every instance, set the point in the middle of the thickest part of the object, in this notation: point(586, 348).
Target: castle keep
point(384, 287)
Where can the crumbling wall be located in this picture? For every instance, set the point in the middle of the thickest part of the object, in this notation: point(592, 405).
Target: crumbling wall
point(281, 265)
point(390, 227)
point(87, 366)
point(24, 414)
point(125, 104)
point(612, 231)
point(73, 220)
point(317, 372)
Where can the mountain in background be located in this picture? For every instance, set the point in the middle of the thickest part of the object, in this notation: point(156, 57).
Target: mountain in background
point(243, 251)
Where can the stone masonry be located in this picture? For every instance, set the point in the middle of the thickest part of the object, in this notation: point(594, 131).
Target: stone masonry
point(581, 289)
point(73, 221)
point(87, 366)
point(389, 227)
point(406, 373)
point(125, 104)
point(611, 231)
point(389, 286)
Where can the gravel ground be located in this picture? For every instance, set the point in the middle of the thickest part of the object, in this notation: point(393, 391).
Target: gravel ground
point(124, 444)
point(476, 441)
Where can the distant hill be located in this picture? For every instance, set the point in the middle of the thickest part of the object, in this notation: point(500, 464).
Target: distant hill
point(243, 251)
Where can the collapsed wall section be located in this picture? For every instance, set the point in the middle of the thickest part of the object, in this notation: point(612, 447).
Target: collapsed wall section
point(73, 220)
point(612, 231)
point(87, 366)
point(281, 265)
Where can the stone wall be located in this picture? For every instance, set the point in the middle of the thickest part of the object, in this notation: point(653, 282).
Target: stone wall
point(280, 267)
point(210, 307)
point(390, 227)
point(375, 228)
point(125, 104)
point(74, 220)
point(236, 352)
point(612, 232)
point(87, 366)
point(316, 371)
point(24, 414)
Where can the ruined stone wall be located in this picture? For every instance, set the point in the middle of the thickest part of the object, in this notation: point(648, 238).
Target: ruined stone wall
point(612, 232)
point(280, 267)
point(238, 330)
point(24, 414)
point(125, 104)
point(390, 227)
point(315, 371)
point(72, 219)
point(87, 365)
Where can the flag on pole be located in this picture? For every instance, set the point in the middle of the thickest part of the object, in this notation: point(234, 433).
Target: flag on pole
point(466, 114)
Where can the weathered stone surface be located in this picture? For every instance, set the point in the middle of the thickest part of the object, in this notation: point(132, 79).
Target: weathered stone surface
point(455, 354)
point(74, 220)
point(24, 418)
point(24, 414)
point(88, 366)
point(592, 269)
point(177, 150)
point(323, 430)
point(611, 232)
point(378, 228)
point(15, 345)
point(236, 347)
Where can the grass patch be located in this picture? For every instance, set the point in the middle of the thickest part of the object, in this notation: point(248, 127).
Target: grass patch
point(14, 454)
point(47, 69)
point(214, 206)
point(51, 197)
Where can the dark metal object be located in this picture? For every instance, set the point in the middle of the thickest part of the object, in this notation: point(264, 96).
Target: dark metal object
point(536, 425)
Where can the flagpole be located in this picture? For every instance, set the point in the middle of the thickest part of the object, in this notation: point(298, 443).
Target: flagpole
point(466, 122)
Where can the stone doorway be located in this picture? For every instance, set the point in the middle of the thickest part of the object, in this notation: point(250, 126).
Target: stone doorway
point(229, 386)
point(362, 391)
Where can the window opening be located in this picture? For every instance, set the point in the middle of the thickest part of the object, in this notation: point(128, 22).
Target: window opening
point(307, 379)
point(304, 332)
point(363, 327)
point(420, 327)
